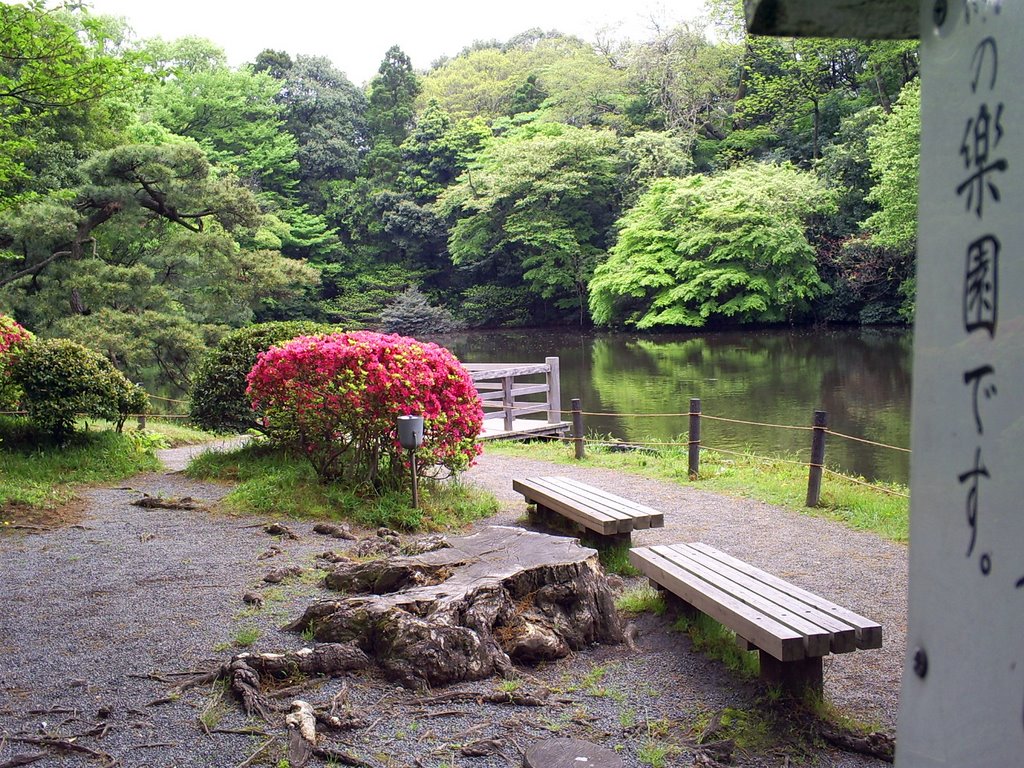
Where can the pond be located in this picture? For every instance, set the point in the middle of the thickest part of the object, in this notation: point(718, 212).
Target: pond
point(860, 377)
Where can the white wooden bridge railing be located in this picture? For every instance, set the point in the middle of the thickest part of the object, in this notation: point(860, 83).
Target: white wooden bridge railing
point(501, 387)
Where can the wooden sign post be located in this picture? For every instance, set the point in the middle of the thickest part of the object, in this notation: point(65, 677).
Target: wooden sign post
point(962, 697)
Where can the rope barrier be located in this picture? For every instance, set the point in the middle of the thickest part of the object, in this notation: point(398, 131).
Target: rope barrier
point(869, 442)
point(855, 481)
point(756, 423)
point(166, 399)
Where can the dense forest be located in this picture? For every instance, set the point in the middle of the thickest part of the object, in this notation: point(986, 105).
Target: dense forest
point(153, 198)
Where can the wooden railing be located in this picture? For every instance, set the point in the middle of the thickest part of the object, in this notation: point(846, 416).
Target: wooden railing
point(502, 389)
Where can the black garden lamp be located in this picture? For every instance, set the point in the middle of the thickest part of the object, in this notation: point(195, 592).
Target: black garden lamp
point(410, 437)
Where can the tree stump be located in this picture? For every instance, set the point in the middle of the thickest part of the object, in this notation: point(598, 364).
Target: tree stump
point(569, 753)
point(469, 610)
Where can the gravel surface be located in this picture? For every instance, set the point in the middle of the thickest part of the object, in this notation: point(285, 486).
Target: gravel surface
point(92, 615)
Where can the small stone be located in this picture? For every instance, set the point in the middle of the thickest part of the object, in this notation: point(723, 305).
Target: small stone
point(272, 552)
point(426, 544)
point(342, 531)
point(334, 557)
point(253, 598)
point(276, 529)
point(375, 547)
point(280, 574)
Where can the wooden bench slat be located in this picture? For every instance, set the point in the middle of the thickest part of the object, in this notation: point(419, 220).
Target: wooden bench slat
point(643, 516)
point(782, 642)
point(840, 636)
point(549, 485)
point(867, 632)
point(595, 520)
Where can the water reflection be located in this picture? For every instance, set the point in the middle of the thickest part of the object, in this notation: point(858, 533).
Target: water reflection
point(861, 377)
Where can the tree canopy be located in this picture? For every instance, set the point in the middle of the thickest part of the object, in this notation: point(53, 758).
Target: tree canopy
point(154, 198)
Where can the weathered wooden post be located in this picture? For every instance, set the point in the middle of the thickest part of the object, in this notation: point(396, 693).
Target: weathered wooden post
point(142, 421)
point(966, 595)
point(694, 438)
point(554, 383)
point(508, 403)
point(577, 428)
point(817, 463)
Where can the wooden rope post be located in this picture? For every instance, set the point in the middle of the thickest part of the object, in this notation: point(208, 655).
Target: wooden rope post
point(577, 428)
point(694, 437)
point(142, 421)
point(817, 458)
point(554, 390)
point(508, 402)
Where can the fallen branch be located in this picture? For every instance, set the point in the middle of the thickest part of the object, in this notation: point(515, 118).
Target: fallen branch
point(501, 697)
point(877, 745)
point(255, 755)
point(17, 760)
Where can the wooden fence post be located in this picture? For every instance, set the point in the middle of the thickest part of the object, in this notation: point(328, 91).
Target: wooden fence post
point(694, 443)
point(507, 403)
point(554, 391)
point(142, 421)
point(817, 458)
point(577, 427)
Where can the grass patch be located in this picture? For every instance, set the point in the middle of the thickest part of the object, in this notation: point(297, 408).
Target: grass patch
point(37, 476)
point(711, 638)
point(641, 599)
point(614, 557)
point(272, 482)
point(775, 481)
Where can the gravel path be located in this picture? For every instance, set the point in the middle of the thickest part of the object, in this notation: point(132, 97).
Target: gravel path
point(92, 611)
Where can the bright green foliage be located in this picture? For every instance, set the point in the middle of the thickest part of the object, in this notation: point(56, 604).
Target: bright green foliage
point(710, 248)
point(529, 211)
point(59, 94)
point(894, 147)
point(62, 380)
point(218, 401)
point(235, 118)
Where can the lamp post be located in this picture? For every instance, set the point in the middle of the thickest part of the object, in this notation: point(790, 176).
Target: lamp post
point(410, 437)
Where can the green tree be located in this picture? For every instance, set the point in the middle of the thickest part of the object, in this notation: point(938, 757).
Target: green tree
point(894, 147)
point(325, 113)
point(535, 209)
point(235, 118)
point(730, 247)
point(141, 260)
point(61, 96)
point(392, 96)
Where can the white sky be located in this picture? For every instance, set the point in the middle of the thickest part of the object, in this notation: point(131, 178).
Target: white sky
point(355, 35)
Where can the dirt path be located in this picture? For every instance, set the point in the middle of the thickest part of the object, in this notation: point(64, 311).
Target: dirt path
point(90, 612)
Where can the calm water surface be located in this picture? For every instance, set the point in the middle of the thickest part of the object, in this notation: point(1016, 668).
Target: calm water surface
point(861, 377)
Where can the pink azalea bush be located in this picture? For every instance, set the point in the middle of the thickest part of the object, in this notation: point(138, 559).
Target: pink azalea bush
point(13, 338)
point(337, 397)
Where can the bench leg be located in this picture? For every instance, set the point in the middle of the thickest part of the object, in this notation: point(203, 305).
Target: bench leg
point(793, 676)
point(675, 606)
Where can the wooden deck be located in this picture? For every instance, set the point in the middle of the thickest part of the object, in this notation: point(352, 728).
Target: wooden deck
point(494, 429)
point(509, 391)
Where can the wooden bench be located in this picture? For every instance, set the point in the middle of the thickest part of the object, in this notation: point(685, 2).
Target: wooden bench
point(792, 628)
point(603, 513)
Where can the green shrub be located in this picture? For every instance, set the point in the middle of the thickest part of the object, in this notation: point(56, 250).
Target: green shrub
point(62, 380)
point(219, 402)
point(411, 314)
